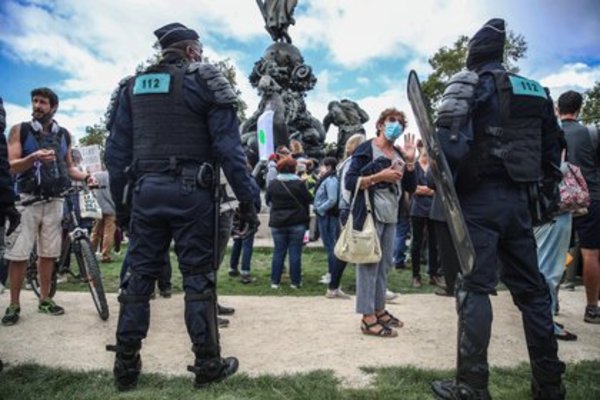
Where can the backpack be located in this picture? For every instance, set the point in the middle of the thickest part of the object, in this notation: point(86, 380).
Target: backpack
point(45, 179)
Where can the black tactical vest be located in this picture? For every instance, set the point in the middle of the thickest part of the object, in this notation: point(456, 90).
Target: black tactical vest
point(516, 141)
point(163, 125)
point(44, 178)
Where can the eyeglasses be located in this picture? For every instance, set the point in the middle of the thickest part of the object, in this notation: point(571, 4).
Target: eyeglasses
point(394, 119)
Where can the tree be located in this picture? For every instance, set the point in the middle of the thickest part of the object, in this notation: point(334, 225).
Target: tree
point(590, 113)
point(447, 61)
point(95, 134)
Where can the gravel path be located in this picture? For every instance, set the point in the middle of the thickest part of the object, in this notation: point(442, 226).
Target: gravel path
point(277, 335)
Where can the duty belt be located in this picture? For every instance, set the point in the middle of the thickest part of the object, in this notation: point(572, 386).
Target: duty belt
point(202, 171)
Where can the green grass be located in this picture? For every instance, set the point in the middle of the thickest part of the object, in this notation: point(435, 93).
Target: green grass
point(314, 264)
point(32, 382)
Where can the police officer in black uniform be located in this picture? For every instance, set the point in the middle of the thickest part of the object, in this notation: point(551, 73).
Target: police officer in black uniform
point(169, 125)
point(514, 149)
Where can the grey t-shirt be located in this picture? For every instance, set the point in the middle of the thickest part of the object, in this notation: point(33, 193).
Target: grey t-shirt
point(581, 153)
point(386, 200)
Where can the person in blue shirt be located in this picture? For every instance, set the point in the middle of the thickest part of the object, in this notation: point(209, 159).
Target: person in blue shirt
point(326, 208)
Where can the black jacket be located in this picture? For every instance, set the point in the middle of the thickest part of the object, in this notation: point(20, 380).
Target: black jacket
point(288, 209)
point(362, 164)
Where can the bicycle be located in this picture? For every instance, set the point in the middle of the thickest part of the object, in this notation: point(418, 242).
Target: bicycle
point(75, 241)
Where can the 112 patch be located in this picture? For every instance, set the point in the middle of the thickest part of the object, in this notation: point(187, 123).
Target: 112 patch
point(526, 87)
point(152, 84)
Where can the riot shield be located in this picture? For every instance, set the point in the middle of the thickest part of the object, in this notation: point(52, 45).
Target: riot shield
point(442, 175)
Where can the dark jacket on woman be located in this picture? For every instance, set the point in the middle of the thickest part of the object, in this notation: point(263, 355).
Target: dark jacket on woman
point(288, 210)
point(363, 165)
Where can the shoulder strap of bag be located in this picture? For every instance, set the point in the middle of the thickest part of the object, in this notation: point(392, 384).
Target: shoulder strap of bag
point(366, 193)
point(291, 194)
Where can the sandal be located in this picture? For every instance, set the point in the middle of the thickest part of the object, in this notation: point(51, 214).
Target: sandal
point(390, 321)
point(385, 330)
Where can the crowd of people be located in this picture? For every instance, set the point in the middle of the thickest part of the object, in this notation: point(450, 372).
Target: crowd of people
point(161, 188)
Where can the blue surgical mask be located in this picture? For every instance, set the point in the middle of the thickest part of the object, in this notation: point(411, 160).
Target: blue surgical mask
point(392, 131)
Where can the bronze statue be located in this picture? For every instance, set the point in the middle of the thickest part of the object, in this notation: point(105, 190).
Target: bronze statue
point(348, 117)
point(278, 17)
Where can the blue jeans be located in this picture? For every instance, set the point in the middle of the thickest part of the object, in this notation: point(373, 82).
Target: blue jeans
point(329, 228)
point(402, 232)
point(552, 246)
point(244, 248)
point(287, 238)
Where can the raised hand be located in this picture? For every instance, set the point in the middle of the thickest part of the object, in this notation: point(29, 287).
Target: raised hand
point(409, 148)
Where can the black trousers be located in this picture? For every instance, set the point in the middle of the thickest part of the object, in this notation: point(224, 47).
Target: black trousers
point(164, 208)
point(448, 260)
point(422, 226)
point(499, 223)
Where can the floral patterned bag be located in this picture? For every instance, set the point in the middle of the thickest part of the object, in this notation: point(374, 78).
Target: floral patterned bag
point(574, 194)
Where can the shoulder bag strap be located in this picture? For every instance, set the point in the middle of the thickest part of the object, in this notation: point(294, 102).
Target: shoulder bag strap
point(291, 194)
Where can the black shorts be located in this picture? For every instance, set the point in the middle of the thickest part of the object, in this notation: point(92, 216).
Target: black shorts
point(588, 227)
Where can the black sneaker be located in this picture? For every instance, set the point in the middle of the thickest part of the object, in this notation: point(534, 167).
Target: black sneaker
point(166, 294)
point(48, 306)
point(11, 316)
point(592, 315)
point(246, 279)
point(213, 371)
point(234, 272)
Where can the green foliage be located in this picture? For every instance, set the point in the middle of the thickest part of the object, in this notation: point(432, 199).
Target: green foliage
point(314, 264)
point(447, 61)
point(590, 113)
point(34, 382)
point(95, 134)
point(227, 68)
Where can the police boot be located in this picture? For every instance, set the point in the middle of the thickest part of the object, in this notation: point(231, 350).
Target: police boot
point(128, 365)
point(547, 392)
point(213, 370)
point(450, 389)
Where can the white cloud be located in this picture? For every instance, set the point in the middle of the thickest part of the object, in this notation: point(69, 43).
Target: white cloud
point(356, 31)
point(579, 77)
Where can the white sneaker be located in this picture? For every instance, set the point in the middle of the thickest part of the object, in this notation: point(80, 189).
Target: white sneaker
point(389, 295)
point(62, 278)
point(293, 286)
point(27, 286)
point(326, 279)
point(274, 286)
point(336, 294)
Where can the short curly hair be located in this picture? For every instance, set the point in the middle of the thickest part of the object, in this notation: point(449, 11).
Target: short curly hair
point(388, 112)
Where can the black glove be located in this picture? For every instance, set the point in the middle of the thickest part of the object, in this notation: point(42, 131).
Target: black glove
point(246, 221)
point(123, 217)
point(14, 217)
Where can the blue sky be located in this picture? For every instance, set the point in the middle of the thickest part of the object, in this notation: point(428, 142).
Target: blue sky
point(358, 49)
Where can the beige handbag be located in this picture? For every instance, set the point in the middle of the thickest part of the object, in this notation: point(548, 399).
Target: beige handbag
point(359, 246)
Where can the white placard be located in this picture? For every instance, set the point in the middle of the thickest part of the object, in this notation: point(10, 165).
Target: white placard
point(264, 132)
point(90, 156)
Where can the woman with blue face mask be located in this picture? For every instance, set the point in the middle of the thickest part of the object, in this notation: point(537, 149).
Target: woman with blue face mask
point(385, 171)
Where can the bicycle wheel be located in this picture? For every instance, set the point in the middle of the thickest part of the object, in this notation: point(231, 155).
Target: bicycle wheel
point(88, 263)
point(32, 275)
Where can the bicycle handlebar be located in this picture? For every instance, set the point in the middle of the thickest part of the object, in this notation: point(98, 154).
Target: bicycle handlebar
point(65, 193)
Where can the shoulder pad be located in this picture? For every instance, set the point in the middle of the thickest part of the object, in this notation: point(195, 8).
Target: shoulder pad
point(114, 101)
point(216, 82)
point(457, 98)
